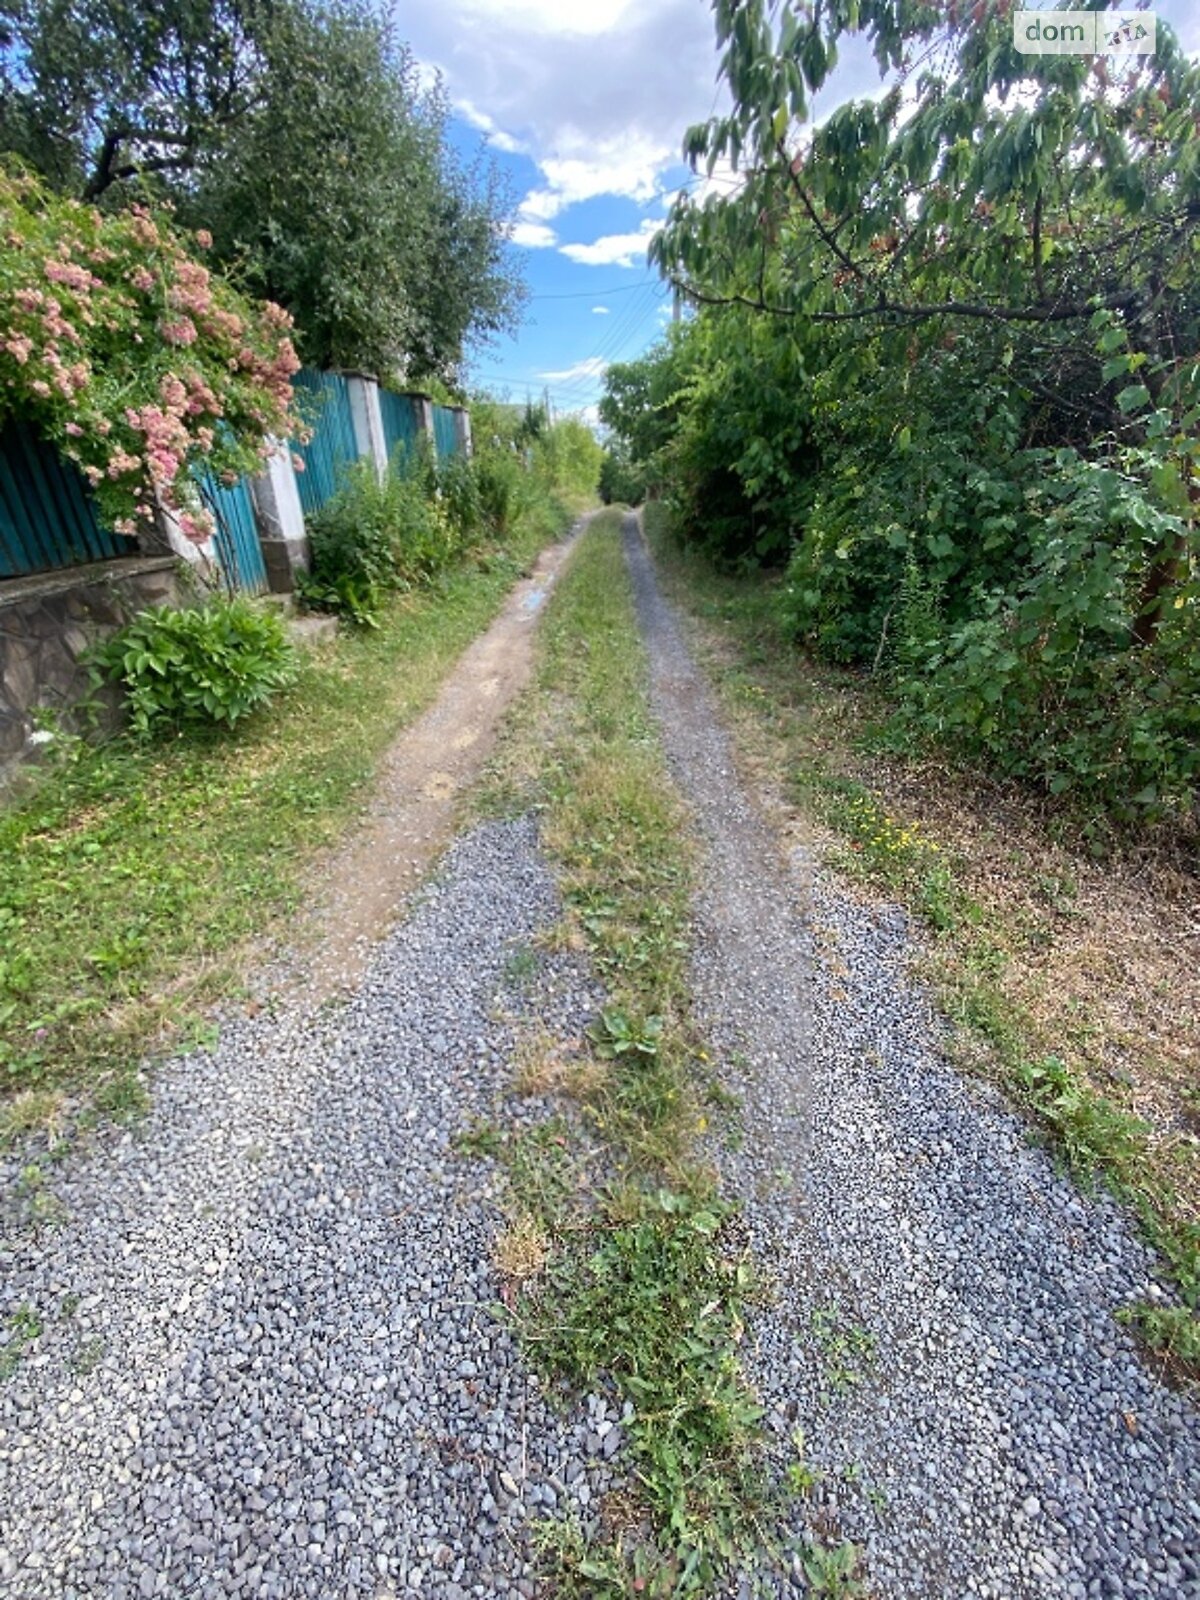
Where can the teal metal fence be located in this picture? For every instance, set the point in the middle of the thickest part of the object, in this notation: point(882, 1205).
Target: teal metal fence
point(401, 427)
point(47, 515)
point(238, 547)
point(324, 398)
point(445, 434)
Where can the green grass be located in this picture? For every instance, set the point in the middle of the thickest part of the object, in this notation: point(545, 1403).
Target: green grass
point(820, 720)
point(637, 1284)
point(21, 1331)
point(134, 875)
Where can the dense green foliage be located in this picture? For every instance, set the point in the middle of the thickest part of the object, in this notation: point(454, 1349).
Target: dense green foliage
point(377, 536)
point(944, 368)
point(198, 666)
point(298, 134)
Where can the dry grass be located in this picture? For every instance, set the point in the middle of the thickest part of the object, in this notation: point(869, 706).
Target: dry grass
point(521, 1251)
point(33, 1110)
point(544, 1065)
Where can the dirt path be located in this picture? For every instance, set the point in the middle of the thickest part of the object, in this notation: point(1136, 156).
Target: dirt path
point(363, 886)
point(941, 1331)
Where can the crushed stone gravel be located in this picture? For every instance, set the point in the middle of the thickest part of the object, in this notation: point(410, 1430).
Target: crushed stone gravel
point(940, 1330)
point(270, 1363)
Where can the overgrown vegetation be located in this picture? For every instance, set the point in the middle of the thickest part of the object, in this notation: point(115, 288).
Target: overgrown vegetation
point(1102, 1058)
point(942, 369)
point(639, 1285)
point(134, 872)
point(374, 538)
point(140, 363)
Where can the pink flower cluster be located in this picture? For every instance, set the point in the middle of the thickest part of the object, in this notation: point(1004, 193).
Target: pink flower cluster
point(73, 276)
point(182, 331)
point(73, 270)
point(198, 526)
point(166, 442)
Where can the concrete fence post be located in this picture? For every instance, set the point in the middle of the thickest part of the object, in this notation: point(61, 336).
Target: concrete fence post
point(367, 416)
point(462, 431)
point(280, 518)
point(423, 412)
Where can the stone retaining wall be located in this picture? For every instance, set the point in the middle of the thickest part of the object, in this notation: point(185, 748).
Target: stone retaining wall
point(47, 622)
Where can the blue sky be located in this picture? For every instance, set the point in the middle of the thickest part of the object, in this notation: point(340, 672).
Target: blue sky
point(584, 104)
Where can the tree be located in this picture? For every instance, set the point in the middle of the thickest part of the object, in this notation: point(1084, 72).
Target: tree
point(95, 93)
point(945, 350)
point(295, 131)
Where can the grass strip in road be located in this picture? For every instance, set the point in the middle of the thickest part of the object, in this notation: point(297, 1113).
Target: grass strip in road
point(641, 1285)
point(1063, 974)
point(135, 876)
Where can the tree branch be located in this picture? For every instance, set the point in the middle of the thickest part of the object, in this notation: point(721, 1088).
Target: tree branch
point(1063, 311)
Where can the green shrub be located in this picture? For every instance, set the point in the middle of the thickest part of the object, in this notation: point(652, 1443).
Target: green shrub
point(499, 482)
point(458, 486)
point(205, 665)
point(373, 537)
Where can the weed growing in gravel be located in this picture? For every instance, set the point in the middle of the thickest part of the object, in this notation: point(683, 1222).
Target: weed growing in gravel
point(845, 1349)
point(24, 1326)
point(520, 966)
point(832, 1570)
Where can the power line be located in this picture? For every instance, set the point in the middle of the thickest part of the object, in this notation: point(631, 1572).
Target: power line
point(590, 294)
point(628, 325)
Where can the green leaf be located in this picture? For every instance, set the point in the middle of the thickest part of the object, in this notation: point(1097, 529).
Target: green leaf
point(1133, 398)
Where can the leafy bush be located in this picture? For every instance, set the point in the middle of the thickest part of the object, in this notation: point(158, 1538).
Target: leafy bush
point(375, 536)
point(458, 486)
point(205, 665)
point(1044, 678)
point(499, 485)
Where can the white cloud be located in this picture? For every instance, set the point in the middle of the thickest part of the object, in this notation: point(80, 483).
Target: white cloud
point(629, 165)
point(614, 249)
point(593, 368)
point(533, 236)
point(598, 92)
point(495, 136)
point(600, 311)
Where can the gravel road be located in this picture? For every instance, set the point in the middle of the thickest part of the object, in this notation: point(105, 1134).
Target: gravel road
point(942, 1326)
point(269, 1364)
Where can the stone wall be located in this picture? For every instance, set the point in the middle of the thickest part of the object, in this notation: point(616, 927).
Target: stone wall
point(47, 622)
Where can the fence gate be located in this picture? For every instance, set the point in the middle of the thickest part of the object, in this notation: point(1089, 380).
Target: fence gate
point(445, 433)
point(400, 427)
point(325, 399)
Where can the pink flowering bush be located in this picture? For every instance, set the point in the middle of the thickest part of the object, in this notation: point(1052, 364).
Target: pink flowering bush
point(122, 347)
